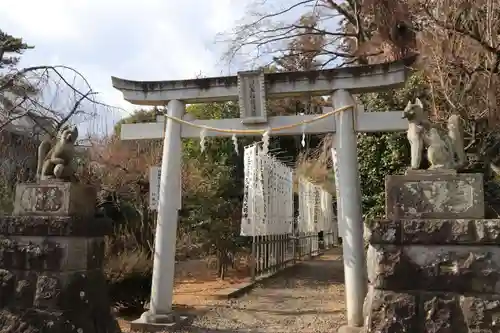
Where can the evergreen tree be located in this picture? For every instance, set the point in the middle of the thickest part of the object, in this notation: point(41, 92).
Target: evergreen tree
point(10, 49)
point(12, 92)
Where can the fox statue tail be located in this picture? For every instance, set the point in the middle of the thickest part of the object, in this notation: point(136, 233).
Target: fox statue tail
point(43, 150)
point(456, 135)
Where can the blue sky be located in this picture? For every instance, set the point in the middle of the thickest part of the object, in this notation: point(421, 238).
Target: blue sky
point(143, 40)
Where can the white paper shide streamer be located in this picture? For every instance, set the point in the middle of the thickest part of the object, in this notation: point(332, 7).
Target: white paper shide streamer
point(303, 142)
point(268, 195)
point(315, 211)
point(203, 134)
point(235, 144)
point(265, 141)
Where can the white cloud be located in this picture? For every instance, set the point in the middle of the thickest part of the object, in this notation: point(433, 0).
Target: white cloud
point(51, 19)
point(141, 40)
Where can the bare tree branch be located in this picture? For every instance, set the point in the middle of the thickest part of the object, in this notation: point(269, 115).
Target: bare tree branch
point(269, 32)
point(73, 110)
point(474, 35)
point(279, 13)
point(349, 16)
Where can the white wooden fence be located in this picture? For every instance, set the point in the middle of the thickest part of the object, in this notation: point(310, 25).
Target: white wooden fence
point(278, 237)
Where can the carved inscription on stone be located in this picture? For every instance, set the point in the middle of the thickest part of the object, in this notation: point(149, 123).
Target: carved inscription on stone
point(48, 199)
point(42, 199)
point(439, 196)
point(55, 199)
point(428, 195)
point(252, 98)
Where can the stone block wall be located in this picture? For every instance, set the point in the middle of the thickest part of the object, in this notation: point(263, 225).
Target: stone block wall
point(51, 277)
point(428, 273)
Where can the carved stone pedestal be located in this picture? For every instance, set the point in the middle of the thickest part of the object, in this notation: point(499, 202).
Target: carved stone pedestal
point(51, 256)
point(434, 266)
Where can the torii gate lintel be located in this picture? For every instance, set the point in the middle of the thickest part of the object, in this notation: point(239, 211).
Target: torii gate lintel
point(356, 79)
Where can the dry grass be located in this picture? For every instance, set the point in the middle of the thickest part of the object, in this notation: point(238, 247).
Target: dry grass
point(316, 165)
point(128, 262)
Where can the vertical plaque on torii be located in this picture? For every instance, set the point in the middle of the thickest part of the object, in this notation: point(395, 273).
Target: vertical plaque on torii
point(252, 97)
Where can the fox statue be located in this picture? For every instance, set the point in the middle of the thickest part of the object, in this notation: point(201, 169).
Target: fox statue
point(445, 150)
point(54, 158)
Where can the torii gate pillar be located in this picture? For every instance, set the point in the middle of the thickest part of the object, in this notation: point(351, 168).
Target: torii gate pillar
point(351, 219)
point(162, 285)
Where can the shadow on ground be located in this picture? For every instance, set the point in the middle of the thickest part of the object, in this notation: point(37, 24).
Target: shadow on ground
point(195, 329)
point(316, 272)
point(306, 298)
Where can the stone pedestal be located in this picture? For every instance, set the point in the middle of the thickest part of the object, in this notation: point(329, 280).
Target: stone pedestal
point(434, 195)
point(51, 256)
point(55, 199)
point(434, 265)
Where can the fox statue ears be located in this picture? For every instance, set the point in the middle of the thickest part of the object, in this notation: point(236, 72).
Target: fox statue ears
point(419, 103)
point(72, 129)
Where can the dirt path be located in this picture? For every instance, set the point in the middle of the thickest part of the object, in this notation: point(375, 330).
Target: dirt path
point(309, 298)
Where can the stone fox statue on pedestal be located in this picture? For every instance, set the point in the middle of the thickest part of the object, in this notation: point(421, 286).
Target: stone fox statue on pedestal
point(445, 151)
point(54, 158)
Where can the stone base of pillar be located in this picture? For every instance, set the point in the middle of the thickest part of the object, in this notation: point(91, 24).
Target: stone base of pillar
point(158, 323)
point(349, 329)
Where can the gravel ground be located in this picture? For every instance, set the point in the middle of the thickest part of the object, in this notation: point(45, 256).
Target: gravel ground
point(307, 298)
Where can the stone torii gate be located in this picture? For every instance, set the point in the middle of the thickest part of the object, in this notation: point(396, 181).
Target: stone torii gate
point(251, 89)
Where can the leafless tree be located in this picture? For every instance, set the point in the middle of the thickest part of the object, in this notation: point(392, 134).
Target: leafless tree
point(353, 31)
point(48, 97)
